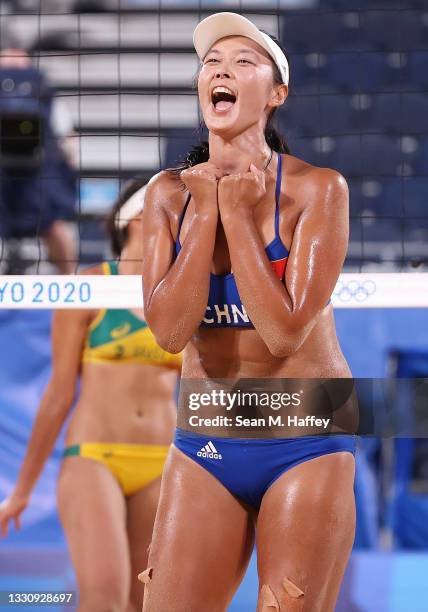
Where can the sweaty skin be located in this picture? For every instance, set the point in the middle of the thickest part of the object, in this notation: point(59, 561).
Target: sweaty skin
point(203, 535)
point(294, 333)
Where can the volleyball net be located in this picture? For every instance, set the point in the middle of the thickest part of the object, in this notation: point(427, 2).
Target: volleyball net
point(116, 101)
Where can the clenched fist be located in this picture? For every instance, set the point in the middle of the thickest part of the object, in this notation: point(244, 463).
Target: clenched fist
point(202, 181)
point(241, 191)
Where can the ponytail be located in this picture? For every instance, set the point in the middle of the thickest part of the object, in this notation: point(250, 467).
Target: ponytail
point(274, 138)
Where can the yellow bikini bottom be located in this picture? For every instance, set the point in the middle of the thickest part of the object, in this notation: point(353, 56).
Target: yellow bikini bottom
point(133, 465)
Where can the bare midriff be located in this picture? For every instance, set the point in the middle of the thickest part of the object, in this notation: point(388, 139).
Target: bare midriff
point(124, 403)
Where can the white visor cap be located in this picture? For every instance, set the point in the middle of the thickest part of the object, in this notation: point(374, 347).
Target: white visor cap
point(131, 209)
point(220, 25)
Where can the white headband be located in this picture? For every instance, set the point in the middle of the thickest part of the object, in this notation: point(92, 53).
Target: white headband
point(131, 209)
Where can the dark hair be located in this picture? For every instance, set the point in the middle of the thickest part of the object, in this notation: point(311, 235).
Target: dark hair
point(200, 152)
point(119, 237)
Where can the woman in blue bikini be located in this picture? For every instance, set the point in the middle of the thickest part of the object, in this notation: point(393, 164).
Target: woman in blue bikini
point(241, 309)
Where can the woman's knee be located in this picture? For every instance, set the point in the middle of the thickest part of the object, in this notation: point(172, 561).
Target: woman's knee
point(299, 588)
point(281, 595)
point(106, 594)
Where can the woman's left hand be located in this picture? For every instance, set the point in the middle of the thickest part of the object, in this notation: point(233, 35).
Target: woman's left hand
point(238, 193)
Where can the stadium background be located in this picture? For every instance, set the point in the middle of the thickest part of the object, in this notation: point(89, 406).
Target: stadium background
point(358, 103)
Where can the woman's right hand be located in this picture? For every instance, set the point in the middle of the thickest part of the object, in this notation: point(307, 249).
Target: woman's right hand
point(10, 509)
point(202, 181)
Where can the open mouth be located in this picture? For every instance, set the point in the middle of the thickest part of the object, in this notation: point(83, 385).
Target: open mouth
point(222, 99)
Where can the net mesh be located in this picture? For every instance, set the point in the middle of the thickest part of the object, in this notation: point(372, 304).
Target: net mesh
point(123, 105)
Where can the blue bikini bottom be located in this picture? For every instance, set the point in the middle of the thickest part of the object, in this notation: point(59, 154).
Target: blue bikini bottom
point(248, 467)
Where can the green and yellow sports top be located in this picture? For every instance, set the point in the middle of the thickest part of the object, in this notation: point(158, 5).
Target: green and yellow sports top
point(119, 336)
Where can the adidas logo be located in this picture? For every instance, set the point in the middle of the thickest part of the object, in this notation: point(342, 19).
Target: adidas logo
point(209, 451)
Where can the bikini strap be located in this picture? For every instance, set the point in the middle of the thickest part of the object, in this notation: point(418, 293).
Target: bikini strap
point(114, 268)
point(110, 267)
point(278, 194)
point(180, 223)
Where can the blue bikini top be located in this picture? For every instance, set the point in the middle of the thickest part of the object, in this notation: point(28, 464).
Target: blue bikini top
point(224, 308)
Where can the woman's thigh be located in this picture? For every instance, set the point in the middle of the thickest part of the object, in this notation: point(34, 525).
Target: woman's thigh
point(202, 541)
point(93, 513)
point(305, 532)
point(141, 508)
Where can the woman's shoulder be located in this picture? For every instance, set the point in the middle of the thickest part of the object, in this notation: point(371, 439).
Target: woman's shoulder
point(92, 270)
point(81, 316)
point(315, 187)
point(165, 190)
point(299, 169)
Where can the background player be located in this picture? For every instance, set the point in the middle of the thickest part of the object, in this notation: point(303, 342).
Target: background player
point(117, 437)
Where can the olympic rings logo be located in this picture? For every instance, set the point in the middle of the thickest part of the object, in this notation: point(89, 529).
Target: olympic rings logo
point(359, 291)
